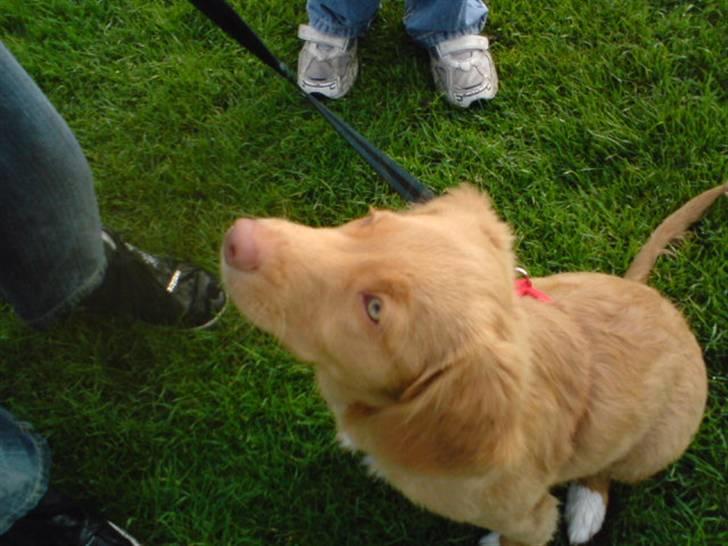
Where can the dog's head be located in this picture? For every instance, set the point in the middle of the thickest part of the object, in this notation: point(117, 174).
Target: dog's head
point(384, 303)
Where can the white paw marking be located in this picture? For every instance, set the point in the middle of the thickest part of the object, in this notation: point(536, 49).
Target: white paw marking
point(491, 539)
point(372, 468)
point(585, 510)
point(345, 441)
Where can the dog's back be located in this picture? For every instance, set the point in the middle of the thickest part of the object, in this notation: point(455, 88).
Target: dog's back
point(648, 384)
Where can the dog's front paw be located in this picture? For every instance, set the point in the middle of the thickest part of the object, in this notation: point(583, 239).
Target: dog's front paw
point(585, 510)
point(491, 539)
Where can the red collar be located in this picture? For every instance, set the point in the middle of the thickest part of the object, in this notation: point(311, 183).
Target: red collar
point(524, 287)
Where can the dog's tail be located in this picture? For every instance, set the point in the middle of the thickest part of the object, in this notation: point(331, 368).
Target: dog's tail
point(671, 228)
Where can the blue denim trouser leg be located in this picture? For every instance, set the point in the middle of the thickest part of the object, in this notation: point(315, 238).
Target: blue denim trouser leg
point(429, 22)
point(51, 252)
point(24, 468)
point(346, 18)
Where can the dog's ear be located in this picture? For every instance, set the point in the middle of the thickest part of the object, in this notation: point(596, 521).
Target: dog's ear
point(467, 197)
point(458, 417)
point(470, 196)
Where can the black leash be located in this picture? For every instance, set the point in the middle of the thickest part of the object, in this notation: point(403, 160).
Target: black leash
point(401, 181)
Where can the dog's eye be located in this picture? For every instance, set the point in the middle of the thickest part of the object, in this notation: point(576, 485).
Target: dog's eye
point(374, 307)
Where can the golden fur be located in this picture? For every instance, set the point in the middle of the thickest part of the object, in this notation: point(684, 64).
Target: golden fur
point(472, 401)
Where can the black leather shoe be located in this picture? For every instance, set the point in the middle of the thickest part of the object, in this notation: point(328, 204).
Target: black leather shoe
point(58, 521)
point(154, 289)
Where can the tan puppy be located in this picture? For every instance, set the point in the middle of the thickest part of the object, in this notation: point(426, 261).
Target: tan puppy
point(470, 399)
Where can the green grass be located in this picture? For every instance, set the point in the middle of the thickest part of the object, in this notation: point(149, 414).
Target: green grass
point(610, 115)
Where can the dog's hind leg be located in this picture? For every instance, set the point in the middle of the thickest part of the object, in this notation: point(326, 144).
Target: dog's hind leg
point(586, 506)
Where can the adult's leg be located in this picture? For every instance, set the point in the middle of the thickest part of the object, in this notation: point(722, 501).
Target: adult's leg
point(50, 232)
point(53, 252)
point(24, 469)
point(33, 514)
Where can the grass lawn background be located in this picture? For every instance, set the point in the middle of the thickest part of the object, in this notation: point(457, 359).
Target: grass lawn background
point(611, 114)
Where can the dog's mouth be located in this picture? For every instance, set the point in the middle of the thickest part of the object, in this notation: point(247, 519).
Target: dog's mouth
point(262, 274)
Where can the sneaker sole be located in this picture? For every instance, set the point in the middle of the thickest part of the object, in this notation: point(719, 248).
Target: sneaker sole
point(127, 536)
point(214, 319)
point(464, 100)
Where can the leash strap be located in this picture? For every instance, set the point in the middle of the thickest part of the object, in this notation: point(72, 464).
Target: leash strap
point(399, 179)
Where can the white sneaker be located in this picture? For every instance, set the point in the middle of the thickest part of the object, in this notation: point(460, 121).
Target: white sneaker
point(327, 65)
point(463, 69)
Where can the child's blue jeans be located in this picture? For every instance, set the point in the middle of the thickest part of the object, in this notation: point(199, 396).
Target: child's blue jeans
point(428, 22)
